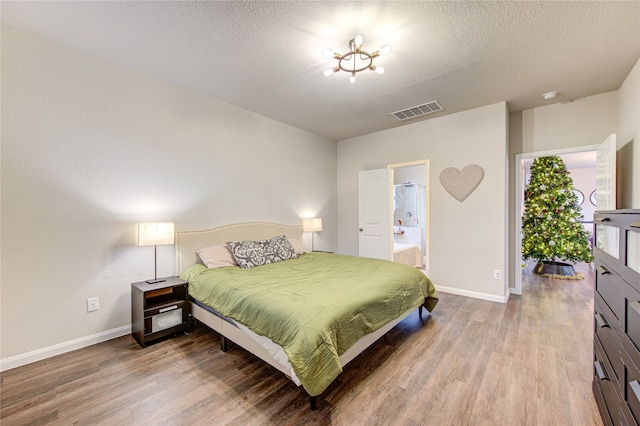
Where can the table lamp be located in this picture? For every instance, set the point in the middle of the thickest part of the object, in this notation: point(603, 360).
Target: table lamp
point(154, 234)
point(312, 225)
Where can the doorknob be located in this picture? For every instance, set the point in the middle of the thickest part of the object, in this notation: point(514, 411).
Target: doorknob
point(361, 229)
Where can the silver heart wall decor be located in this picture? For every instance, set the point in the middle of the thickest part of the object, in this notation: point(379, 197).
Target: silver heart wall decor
point(460, 184)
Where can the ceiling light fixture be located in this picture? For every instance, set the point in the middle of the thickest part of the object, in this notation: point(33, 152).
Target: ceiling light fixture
point(355, 60)
point(549, 95)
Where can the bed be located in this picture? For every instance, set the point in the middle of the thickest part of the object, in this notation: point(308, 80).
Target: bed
point(287, 325)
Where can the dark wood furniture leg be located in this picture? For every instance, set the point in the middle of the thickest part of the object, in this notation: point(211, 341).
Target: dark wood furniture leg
point(223, 343)
point(312, 403)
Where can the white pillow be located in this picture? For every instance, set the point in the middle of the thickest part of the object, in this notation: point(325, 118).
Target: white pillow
point(298, 246)
point(216, 256)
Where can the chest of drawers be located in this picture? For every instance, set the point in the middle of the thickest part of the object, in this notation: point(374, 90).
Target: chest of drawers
point(616, 372)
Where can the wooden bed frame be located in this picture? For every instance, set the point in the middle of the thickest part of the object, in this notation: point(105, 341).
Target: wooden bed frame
point(187, 242)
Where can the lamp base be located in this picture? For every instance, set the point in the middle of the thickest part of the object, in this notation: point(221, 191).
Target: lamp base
point(155, 281)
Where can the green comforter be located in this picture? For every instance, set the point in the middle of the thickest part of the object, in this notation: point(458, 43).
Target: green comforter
point(315, 307)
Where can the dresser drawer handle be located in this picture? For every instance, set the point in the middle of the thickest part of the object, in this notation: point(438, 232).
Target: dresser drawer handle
point(602, 219)
point(600, 371)
point(635, 305)
point(603, 270)
point(635, 224)
point(168, 308)
point(601, 321)
point(635, 387)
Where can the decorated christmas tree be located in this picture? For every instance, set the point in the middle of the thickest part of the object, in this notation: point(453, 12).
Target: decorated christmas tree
point(551, 228)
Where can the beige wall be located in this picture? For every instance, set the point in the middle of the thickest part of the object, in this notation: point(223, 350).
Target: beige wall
point(89, 149)
point(582, 123)
point(467, 240)
point(587, 121)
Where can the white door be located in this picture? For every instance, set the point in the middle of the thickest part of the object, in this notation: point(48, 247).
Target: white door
point(606, 174)
point(374, 211)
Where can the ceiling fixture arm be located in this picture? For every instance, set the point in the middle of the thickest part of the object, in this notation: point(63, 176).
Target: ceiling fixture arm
point(356, 59)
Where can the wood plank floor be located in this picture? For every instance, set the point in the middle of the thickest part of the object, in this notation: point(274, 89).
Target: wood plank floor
point(473, 362)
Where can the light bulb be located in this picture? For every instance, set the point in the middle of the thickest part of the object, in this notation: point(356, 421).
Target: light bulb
point(385, 50)
point(358, 41)
point(379, 70)
point(352, 79)
point(327, 72)
point(327, 53)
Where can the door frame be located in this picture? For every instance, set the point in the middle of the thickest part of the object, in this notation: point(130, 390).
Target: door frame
point(518, 193)
point(427, 184)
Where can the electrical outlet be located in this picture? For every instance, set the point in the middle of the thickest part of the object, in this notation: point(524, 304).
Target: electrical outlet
point(92, 304)
point(497, 274)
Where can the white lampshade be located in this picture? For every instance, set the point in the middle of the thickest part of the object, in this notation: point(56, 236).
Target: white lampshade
point(154, 234)
point(312, 225)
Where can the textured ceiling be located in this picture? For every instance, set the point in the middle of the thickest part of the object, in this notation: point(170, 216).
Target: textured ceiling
point(266, 56)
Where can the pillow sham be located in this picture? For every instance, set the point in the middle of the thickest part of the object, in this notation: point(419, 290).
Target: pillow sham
point(216, 256)
point(248, 254)
point(277, 249)
point(298, 246)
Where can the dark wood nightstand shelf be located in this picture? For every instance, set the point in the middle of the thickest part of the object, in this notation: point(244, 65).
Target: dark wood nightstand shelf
point(158, 310)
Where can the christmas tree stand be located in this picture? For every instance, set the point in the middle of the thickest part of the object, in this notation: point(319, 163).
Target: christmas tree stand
point(560, 270)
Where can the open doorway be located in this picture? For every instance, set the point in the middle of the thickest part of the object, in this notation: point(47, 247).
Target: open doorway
point(410, 198)
point(581, 163)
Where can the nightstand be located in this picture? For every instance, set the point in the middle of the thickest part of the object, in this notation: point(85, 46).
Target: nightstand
point(159, 310)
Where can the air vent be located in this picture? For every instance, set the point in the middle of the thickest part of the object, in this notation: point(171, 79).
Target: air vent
point(417, 111)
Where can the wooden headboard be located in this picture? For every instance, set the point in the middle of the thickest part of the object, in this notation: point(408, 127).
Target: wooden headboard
point(187, 242)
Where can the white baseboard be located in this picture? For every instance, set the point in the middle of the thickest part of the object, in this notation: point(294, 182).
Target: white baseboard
point(83, 342)
point(474, 294)
point(60, 348)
